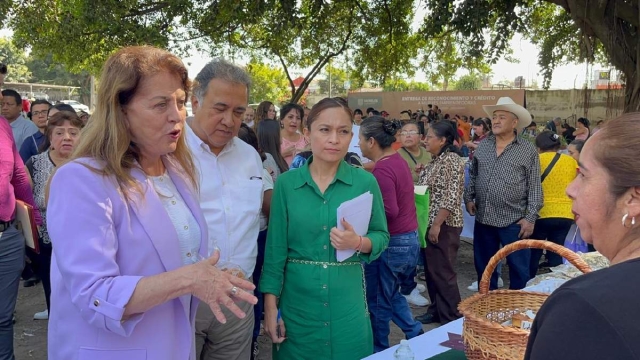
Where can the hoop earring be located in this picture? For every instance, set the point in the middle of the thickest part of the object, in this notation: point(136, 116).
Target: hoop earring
point(624, 221)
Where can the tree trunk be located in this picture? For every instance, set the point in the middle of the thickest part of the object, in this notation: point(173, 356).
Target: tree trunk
point(632, 94)
point(616, 24)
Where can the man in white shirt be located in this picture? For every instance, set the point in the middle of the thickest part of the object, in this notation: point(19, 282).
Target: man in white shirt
point(230, 197)
point(12, 110)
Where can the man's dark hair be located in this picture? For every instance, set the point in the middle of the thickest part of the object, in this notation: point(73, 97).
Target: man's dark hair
point(14, 94)
point(41, 102)
point(62, 107)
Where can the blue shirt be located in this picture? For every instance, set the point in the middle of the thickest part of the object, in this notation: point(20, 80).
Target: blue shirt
point(22, 128)
point(31, 146)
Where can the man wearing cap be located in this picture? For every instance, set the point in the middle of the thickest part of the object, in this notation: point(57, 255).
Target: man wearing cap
point(504, 191)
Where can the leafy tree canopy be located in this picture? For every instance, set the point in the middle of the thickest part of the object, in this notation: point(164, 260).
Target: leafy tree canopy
point(16, 61)
point(564, 30)
point(268, 83)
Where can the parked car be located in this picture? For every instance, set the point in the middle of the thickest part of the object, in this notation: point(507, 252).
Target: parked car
point(77, 106)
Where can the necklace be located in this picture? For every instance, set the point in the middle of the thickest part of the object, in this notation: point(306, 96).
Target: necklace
point(160, 185)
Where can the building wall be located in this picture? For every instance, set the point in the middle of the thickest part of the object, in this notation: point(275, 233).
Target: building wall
point(572, 104)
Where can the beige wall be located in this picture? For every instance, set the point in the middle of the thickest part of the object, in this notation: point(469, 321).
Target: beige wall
point(602, 104)
point(543, 104)
point(451, 102)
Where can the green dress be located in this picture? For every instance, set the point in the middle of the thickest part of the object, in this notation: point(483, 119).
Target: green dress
point(322, 302)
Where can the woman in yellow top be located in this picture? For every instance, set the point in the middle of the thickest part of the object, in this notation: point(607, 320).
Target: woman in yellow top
point(558, 171)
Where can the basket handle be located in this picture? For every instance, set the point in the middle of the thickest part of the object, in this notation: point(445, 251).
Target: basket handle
point(573, 258)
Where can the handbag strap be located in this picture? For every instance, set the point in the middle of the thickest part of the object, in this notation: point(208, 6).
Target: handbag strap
point(550, 167)
point(411, 156)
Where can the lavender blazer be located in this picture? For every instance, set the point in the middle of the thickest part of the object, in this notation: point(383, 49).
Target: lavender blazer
point(102, 246)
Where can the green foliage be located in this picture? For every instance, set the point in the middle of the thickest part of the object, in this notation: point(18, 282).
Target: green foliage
point(385, 42)
point(16, 61)
point(335, 76)
point(404, 85)
point(268, 83)
point(468, 82)
point(565, 31)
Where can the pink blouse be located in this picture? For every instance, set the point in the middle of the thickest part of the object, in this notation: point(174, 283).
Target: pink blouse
point(299, 145)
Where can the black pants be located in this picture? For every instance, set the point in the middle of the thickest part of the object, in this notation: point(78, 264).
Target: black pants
point(442, 280)
point(41, 265)
point(554, 230)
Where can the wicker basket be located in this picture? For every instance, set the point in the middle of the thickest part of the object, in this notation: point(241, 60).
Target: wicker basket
point(484, 335)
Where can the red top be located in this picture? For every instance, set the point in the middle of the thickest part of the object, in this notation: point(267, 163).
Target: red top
point(26, 105)
point(14, 182)
point(396, 184)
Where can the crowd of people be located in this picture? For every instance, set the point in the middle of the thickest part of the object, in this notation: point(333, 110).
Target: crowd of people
point(167, 235)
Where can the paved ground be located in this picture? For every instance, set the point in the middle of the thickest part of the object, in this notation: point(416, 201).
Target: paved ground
point(31, 335)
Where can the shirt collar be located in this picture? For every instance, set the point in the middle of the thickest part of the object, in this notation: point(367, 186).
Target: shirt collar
point(195, 142)
point(492, 138)
point(343, 174)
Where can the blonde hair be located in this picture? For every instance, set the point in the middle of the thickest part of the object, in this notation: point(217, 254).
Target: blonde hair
point(106, 137)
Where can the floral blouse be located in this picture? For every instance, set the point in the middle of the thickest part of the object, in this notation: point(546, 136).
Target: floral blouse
point(444, 176)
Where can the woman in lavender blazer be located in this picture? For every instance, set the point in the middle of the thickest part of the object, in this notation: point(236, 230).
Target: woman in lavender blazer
point(126, 227)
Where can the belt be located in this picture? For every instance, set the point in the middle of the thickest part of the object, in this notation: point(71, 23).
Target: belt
point(4, 225)
point(323, 263)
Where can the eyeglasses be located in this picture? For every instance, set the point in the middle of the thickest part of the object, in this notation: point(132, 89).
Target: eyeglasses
point(409, 133)
point(38, 113)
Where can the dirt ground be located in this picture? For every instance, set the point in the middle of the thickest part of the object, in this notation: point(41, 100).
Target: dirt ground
point(30, 336)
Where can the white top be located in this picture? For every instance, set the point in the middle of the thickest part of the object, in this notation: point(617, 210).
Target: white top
point(230, 198)
point(354, 146)
point(267, 184)
point(22, 128)
point(181, 217)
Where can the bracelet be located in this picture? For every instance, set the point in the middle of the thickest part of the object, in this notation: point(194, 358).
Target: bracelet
point(359, 248)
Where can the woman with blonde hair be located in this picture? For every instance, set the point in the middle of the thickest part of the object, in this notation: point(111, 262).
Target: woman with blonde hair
point(127, 231)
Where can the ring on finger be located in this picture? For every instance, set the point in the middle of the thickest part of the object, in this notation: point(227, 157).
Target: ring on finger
point(234, 291)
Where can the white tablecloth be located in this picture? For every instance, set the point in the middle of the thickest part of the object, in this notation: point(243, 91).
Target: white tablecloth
point(425, 345)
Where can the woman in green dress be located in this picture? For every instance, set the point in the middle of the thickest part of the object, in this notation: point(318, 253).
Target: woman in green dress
point(322, 305)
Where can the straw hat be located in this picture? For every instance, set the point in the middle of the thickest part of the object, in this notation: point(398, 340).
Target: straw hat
point(507, 104)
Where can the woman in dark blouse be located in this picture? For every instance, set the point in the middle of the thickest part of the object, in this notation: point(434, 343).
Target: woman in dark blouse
point(61, 135)
point(595, 316)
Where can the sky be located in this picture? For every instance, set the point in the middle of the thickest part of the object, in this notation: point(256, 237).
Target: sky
point(564, 77)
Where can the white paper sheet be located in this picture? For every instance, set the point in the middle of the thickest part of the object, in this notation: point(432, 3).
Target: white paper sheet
point(356, 212)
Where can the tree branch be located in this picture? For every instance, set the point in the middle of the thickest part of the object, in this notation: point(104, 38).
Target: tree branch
point(390, 17)
point(151, 9)
point(286, 71)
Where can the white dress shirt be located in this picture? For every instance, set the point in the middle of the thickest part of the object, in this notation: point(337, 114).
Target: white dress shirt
point(230, 198)
point(181, 217)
